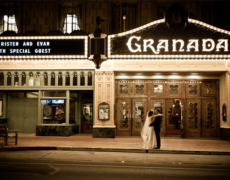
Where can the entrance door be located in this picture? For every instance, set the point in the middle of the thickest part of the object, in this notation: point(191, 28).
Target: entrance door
point(23, 113)
point(173, 117)
point(130, 116)
point(193, 118)
point(87, 117)
point(209, 120)
point(201, 118)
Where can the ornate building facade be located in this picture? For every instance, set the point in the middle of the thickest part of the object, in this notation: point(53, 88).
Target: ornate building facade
point(152, 55)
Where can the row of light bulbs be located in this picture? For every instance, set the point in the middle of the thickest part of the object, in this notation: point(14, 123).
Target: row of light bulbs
point(170, 56)
point(47, 57)
point(43, 37)
point(114, 60)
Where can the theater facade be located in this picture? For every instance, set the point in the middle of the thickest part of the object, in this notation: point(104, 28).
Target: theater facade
point(178, 65)
point(105, 84)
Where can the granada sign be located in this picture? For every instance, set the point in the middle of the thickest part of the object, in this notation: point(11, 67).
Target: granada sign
point(138, 44)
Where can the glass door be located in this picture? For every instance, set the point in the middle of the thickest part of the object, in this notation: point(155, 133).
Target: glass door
point(209, 120)
point(130, 116)
point(193, 118)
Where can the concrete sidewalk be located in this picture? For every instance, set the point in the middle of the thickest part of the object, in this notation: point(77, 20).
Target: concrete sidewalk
point(85, 142)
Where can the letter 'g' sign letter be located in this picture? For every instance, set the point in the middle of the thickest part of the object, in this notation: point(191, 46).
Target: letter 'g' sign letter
point(129, 44)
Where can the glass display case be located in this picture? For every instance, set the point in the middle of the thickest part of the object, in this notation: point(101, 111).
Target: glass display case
point(53, 111)
point(103, 113)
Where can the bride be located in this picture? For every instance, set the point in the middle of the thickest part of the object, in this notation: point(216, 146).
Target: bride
point(148, 133)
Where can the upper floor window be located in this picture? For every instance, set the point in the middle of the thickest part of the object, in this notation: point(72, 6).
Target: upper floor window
point(124, 17)
point(70, 17)
point(9, 18)
point(160, 12)
point(213, 14)
point(206, 12)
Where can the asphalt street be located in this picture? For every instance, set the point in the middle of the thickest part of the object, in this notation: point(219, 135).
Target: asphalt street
point(110, 165)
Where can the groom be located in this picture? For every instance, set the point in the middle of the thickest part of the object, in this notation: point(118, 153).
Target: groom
point(157, 127)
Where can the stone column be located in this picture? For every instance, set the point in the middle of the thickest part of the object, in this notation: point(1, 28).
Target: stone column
point(104, 92)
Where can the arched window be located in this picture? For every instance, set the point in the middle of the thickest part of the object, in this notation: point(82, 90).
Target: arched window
point(74, 79)
point(45, 79)
point(90, 82)
point(52, 79)
point(23, 79)
point(8, 79)
point(60, 79)
point(82, 81)
point(31, 79)
point(1, 79)
point(67, 79)
point(16, 79)
point(38, 79)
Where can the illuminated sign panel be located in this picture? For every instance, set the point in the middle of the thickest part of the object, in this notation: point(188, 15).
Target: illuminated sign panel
point(155, 40)
point(207, 45)
point(48, 46)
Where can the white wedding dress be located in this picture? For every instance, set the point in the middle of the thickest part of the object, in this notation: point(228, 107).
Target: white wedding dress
point(148, 134)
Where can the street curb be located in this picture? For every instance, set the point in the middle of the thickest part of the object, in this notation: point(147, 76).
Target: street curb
point(152, 151)
point(27, 148)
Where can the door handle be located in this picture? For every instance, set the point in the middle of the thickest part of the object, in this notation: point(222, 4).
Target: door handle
point(24, 116)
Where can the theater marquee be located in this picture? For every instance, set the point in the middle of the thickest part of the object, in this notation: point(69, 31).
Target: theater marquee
point(48, 46)
point(155, 40)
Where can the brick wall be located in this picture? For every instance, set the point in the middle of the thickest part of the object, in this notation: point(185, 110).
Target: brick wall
point(38, 15)
point(94, 9)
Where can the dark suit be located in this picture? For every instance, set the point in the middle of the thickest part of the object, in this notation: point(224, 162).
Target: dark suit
point(157, 127)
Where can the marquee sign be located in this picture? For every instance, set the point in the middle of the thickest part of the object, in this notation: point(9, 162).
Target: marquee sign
point(155, 40)
point(48, 46)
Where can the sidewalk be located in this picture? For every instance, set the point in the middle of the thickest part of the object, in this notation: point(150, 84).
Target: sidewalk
point(85, 142)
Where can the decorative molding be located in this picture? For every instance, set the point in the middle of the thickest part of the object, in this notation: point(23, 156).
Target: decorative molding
point(99, 93)
point(108, 93)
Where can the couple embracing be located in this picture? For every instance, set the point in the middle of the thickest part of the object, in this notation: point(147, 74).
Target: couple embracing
point(150, 132)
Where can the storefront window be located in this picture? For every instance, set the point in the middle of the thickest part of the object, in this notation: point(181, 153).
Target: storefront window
point(23, 79)
point(1, 79)
point(53, 111)
point(31, 79)
point(74, 79)
point(52, 79)
point(38, 79)
point(59, 79)
point(90, 79)
point(45, 79)
point(82, 83)
point(16, 79)
point(88, 111)
point(8, 79)
point(53, 93)
point(67, 79)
